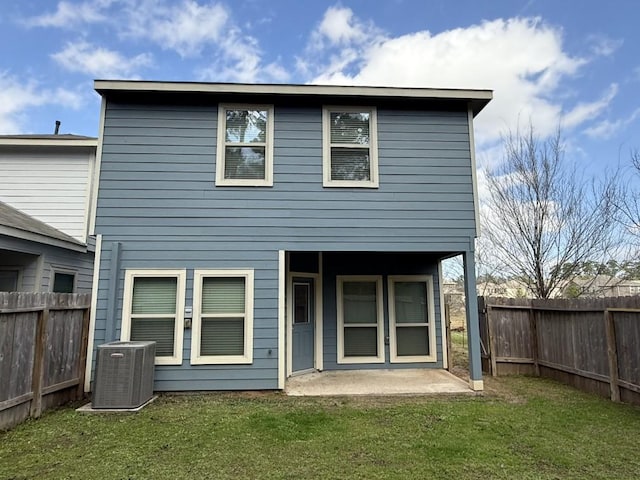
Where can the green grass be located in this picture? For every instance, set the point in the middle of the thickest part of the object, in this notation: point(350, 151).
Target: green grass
point(522, 428)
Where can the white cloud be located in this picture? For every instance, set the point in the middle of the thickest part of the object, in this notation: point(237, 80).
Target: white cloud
point(522, 60)
point(339, 27)
point(100, 62)
point(588, 110)
point(18, 96)
point(184, 27)
point(69, 15)
point(607, 128)
point(603, 46)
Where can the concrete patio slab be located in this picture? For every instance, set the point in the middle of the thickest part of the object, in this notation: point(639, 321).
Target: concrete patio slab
point(414, 381)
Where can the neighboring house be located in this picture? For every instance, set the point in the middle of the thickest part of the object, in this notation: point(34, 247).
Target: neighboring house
point(602, 286)
point(261, 231)
point(45, 190)
point(507, 289)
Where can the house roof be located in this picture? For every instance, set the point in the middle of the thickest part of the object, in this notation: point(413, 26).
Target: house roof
point(477, 99)
point(16, 223)
point(48, 140)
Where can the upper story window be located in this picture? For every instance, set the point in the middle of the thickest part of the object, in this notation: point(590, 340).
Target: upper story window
point(245, 145)
point(350, 147)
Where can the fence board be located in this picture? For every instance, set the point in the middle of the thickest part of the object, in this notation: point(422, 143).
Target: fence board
point(42, 352)
point(592, 344)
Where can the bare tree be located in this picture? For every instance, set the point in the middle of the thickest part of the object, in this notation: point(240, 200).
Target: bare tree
point(542, 217)
point(629, 202)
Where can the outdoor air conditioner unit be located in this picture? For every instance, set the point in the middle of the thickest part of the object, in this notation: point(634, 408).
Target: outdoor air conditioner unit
point(124, 374)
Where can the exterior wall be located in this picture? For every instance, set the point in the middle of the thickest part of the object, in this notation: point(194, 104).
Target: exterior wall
point(158, 169)
point(374, 264)
point(51, 185)
point(158, 207)
point(38, 261)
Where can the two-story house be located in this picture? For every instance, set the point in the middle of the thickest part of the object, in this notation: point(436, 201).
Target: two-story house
point(260, 231)
point(45, 191)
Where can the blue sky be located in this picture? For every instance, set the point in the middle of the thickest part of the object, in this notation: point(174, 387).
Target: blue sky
point(548, 61)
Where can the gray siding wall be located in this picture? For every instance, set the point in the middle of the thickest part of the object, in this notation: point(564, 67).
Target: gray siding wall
point(32, 255)
point(157, 197)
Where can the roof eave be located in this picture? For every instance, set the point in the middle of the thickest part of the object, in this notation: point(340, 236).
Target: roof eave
point(40, 238)
point(477, 99)
point(29, 142)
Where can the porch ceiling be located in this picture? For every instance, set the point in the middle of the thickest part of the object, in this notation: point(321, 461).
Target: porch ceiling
point(413, 381)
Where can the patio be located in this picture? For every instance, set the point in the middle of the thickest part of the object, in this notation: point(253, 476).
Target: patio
point(414, 381)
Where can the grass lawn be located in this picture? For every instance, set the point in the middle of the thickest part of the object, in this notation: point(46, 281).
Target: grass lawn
point(522, 428)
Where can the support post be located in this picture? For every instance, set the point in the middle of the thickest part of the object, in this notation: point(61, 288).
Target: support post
point(533, 328)
point(473, 326)
point(38, 362)
point(612, 353)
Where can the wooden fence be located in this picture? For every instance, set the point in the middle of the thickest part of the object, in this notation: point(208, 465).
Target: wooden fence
point(43, 348)
point(593, 344)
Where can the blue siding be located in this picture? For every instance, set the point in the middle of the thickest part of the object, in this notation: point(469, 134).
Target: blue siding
point(157, 197)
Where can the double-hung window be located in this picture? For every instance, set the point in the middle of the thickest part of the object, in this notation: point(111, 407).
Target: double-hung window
point(222, 317)
point(153, 309)
point(350, 149)
point(245, 145)
point(360, 319)
point(412, 333)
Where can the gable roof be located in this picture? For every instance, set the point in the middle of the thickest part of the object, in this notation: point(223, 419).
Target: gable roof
point(476, 99)
point(16, 223)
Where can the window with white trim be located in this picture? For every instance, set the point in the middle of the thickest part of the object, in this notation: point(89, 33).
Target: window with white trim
point(222, 330)
point(350, 147)
point(245, 145)
point(153, 309)
point(360, 319)
point(412, 332)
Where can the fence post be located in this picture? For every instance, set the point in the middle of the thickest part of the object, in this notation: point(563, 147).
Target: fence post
point(533, 327)
point(83, 352)
point(492, 342)
point(38, 362)
point(613, 355)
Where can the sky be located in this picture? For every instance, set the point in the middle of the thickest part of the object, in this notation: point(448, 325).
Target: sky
point(549, 62)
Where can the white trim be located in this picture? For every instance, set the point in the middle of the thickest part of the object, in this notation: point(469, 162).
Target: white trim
point(53, 269)
point(317, 312)
point(326, 147)
point(474, 176)
point(476, 385)
point(125, 328)
point(443, 320)
point(319, 319)
point(95, 180)
point(282, 278)
point(291, 89)
point(92, 313)
point(247, 316)
point(431, 319)
point(88, 197)
point(340, 279)
point(221, 144)
point(50, 142)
